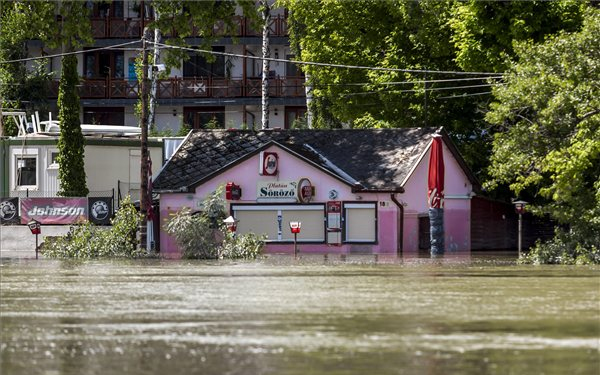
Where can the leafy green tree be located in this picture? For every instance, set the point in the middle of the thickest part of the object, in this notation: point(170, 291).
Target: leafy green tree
point(397, 34)
point(484, 32)
point(548, 118)
point(21, 88)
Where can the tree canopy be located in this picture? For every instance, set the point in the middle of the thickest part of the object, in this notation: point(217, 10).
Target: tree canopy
point(548, 119)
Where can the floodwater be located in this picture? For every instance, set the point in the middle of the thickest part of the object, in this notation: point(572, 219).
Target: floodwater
point(308, 316)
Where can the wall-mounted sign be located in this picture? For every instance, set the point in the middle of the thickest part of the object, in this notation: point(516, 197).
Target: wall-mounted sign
point(305, 190)
point(54, 210)
point(268, 164)
point(232, 192)
point(100, 209)
point(277, 191)
point(9, 211)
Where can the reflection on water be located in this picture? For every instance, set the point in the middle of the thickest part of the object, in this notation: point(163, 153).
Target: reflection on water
point(306, 316)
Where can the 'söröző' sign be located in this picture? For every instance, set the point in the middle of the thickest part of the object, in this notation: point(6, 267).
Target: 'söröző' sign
point(277, 191)
point(54, 210)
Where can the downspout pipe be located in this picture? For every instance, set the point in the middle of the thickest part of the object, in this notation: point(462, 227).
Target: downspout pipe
point(400, 223)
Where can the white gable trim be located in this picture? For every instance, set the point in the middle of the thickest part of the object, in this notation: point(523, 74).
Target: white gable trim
point(416, 164)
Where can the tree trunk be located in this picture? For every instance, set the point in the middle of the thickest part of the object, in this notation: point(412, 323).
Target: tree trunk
point(155, 74)
point(266, 53)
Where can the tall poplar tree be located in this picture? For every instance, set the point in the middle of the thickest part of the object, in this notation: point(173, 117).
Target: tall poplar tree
point(71, 172)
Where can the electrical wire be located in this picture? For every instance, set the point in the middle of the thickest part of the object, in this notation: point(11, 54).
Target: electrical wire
point(70, 53)
point(329, 65)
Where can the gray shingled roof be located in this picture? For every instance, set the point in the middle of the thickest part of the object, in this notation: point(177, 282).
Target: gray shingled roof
point(377, 159)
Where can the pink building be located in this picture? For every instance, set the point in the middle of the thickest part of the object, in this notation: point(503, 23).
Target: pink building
point(353, 190)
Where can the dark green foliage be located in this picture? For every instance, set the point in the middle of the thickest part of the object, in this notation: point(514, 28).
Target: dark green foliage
point(566, 248)
point(90, 241)
point(71, 142)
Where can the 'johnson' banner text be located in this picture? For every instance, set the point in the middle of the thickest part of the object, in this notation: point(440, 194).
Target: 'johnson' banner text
point(54, 210)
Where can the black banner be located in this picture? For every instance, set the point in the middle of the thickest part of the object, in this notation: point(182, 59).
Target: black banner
point(100, 210)
point(9, 211)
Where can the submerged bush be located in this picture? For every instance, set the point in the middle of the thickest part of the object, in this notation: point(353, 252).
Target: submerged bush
point(193, 234)
point(244, 246)
point(565, 248)
point(91, 241)
point(203, 235)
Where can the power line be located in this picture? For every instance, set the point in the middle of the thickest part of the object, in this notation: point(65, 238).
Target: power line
point(69, 53)
point(329, 65)
point(416, 90)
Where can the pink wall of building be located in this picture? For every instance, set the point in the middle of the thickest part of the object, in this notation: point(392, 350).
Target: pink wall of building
point(292, 168)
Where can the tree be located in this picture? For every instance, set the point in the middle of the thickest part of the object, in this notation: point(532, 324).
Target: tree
point(71, 172)
point(484, 32)
point(548, 117)
point(396, 34)
point(21, 88)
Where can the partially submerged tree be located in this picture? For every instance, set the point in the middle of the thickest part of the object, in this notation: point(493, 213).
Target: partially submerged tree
point(548, 117)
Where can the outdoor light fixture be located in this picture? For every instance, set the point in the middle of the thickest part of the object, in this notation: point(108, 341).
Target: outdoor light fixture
point(36, 228)
point(520, 209)
point(231, 223)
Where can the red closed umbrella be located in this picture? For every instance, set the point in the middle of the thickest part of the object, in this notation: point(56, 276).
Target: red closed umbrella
point(435, 196)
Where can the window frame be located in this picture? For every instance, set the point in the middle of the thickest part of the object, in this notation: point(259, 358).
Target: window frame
point(345, 222)
point(282, 207)
point(22, 156)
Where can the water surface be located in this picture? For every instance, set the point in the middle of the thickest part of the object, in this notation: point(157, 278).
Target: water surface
point(308, 316)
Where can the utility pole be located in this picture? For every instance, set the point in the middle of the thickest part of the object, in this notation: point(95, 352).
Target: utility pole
point(144, 145)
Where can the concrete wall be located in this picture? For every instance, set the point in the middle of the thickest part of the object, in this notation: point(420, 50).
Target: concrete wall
point(17, 240)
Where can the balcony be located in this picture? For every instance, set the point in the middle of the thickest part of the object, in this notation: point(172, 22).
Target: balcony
point(125, 28)
point(196, 87)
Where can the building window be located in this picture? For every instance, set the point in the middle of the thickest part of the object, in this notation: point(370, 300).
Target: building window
point(295, 117)
point(292, 69)
point(102, 64)
point(52, 159)
point(198, 66)
point(26, 168)
point(360, 222)
point(104, 116)
point(204, 117)
point(274, 221)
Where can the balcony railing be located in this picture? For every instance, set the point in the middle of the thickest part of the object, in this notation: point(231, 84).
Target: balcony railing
point(124, 28)
point(196, 87)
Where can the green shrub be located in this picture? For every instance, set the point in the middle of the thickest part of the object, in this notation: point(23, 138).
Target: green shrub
point(91, 241)
point(244, 246)
point(565, 248)
point(193, 234)
point(204, 235)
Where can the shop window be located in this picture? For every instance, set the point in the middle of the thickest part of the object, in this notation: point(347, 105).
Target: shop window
point(198, 66)
point(104, 116)
point(26, 171)
point(274, 221)
point(360, 222)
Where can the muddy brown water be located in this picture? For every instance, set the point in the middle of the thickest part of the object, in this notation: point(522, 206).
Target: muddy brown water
point(312, 315)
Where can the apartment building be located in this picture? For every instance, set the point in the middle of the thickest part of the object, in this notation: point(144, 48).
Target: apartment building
point(225, 93)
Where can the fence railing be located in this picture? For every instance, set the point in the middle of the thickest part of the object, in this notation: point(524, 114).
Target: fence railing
point(189, 87)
